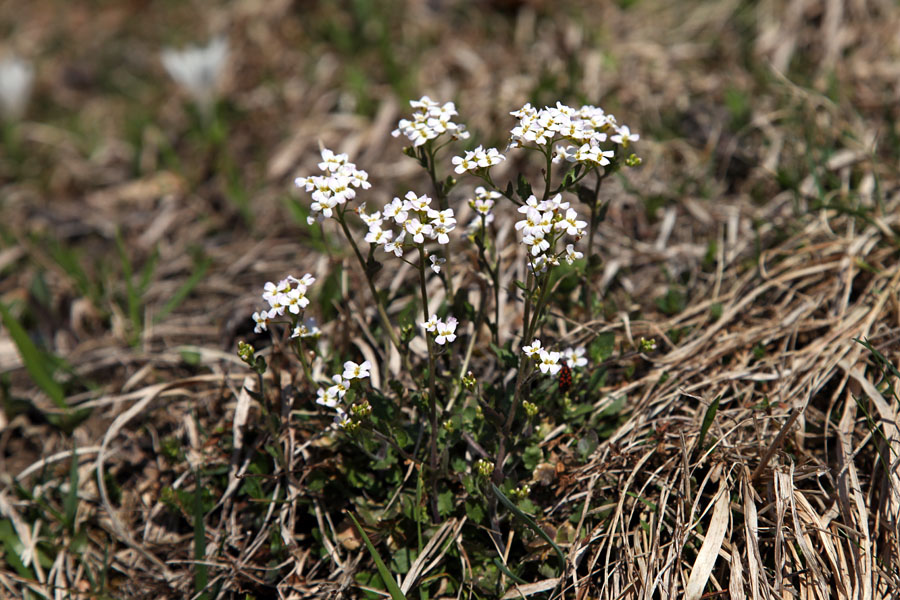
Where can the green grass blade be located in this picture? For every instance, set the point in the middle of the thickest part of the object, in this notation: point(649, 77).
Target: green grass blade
point(708, 419)
point(386, 577)
point(182, 292)
point(530, 522)
point(201, 571)
point(70, 503)
point(35, 360)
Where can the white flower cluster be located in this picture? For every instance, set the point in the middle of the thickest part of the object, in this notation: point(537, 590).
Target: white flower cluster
point(483, 205)
point(444, 331)
point(338, 183)
point(288, 295)
point(586, 127)
point(415, 217)
point(552, 362)
point(330, 396)
point(479, 158)
point(544, 224)
point(430, 119)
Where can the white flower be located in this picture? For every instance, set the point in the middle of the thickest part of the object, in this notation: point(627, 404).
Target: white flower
point(340, 387)
point(304, 282)
point(439, 233)
point(571, 254)
point(534, 349)
point(306, 329)
point(464, 163)
point(416, 203)
point(278, 305)
point(355, 371)
point(418, 230)
point(570, 224)
point(331, 161)
point(549, 362)
point(575, 357)
point(296, 300)
point(16, 78)
point(436, 262)
point(377, 235)
point(395, 211)
point(431, 324)
point(326, 397)
point(370, 219)
point(446, 331)
point(262, 321)
point(624, 136)
point(396, 246)
point(198, 69)
point(342, 419)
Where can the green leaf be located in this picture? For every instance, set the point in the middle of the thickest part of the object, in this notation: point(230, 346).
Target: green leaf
point(505, 355)
point(523, 188)
point(532, 456)
point(386, 576)
point(530, 522)
point(445, 503)
point(35, 360)
point(602, 347)
point(70, 503)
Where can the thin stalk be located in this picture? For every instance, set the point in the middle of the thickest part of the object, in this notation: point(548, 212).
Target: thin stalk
point(432, 390)
point(382, 313)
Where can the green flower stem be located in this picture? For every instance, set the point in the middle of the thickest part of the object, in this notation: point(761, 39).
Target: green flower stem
point(385, 320)
point(595, 206)
point(298, 350)
point(432, 390)
point(548, 156)
point(497, 476)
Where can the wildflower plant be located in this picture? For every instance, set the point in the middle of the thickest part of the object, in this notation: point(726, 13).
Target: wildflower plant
point(444, 402)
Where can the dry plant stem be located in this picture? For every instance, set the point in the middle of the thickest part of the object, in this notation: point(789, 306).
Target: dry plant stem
point(432, 391)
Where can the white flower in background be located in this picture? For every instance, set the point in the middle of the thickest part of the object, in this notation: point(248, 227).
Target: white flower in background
point(342, 419)
point(624, 136)
point(572, 254)
point(436, 262)
point(262, 321)
point(574, 357)
point(306, 329)
point(356, 371)
point(16, 78)
point(198, 69)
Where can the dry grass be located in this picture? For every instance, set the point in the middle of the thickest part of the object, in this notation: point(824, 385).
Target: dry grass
point(769, 200)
